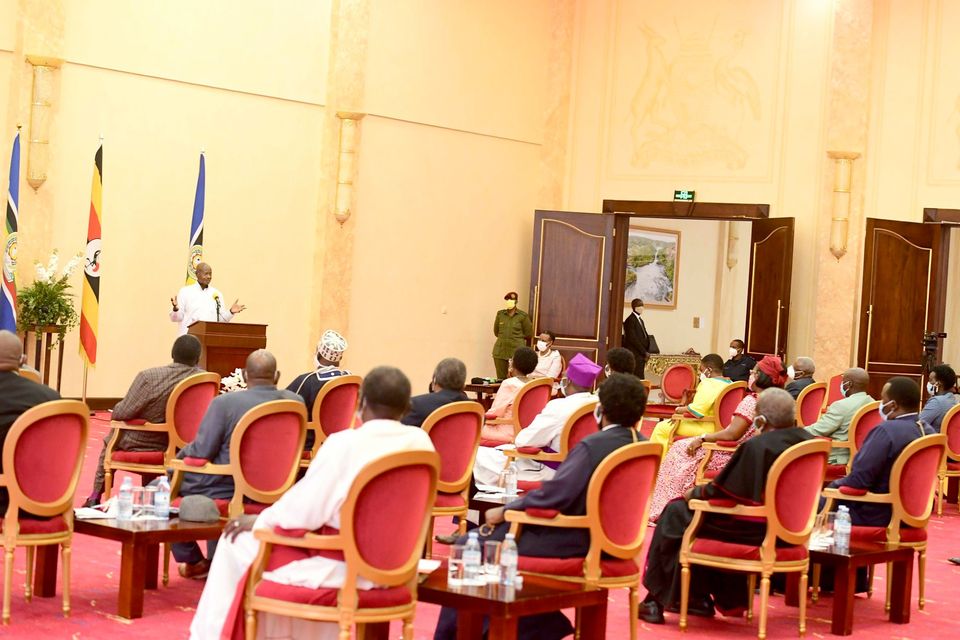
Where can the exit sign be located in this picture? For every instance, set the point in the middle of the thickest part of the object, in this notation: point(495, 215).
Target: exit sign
point(683, 196)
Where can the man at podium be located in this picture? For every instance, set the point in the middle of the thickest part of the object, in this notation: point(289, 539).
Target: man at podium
point(201, 302)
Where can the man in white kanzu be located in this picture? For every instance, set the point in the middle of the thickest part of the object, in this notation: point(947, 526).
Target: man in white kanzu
point(312, 503)
point(201, 302)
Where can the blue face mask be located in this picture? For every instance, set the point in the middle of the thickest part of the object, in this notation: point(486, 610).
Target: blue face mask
point(884, 415)
point(844, 389)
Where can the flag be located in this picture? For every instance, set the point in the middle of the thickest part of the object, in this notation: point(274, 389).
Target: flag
point(8, 303)
point(90, 305)
point(196, 225)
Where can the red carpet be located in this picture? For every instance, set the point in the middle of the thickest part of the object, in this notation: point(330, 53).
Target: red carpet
point(167, 611)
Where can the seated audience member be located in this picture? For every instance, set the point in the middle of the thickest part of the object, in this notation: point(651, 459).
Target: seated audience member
point(313, 502)
point(801, 375)
point(17, 394)
point(739, 366)
point(619, 360)
point(835, 423)
point(449, 378)
point(622, 402)
point(900, 402)
point(545, 429)
point(940, 385)
point(329, 353)
point(147, 400)
point(678, 472)
point(549, 361)
point(519, 367)
point(213, 443)
point(742, 480)
point(712, 382)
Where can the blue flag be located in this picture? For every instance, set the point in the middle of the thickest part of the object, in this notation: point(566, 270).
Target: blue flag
point(8, 302)
point(196, 225)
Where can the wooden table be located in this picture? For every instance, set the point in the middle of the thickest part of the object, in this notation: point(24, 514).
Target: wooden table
point(140, 540)
point(505, 606)
point(862, 554)
point(485, 392)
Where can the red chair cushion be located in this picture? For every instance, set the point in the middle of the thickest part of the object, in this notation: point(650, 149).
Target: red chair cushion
point(542, 513)
point(612, 568)
point(449, 500)
point(530, 450)
point(664, 410)
point(195, 462)
point(306, 455)
point(731, 444)
point(484, 442)
point(852, 491)
point(879, 534)
point(136, 421)
point(953, 466)
point(138, 457)
point(737, 551)
point(710, 474)
point(253, 508)
point(29, 526)
point(528, 485)
point(367, 598)
point(835, 471)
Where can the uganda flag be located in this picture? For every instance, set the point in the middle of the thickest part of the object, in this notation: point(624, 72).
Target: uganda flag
point(90, 306)
point(8, 297)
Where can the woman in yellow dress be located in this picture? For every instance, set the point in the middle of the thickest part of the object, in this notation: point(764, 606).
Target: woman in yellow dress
point(712, 382)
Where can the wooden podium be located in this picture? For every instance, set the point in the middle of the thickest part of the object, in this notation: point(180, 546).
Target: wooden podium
point(226, 345)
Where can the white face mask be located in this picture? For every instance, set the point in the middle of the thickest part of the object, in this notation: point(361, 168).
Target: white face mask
point(844, 389)
point(932, 388)
point(733, 353)
point(703, 376)
point(791, 372)
point(606, 371)
point(563, 386)
point(598, 414)
point(885, 415)
point(541, 345)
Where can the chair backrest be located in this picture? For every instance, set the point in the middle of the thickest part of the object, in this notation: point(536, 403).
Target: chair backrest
point(950, 427)
point(265, 450)
point(43, 455)
point(530, 400)
point(392, 494)
point(454, 430)
point(618, 503)
point(187, 405)
point(833, 390)
point(677, 379)
point(913, 479)
point(727, 402)
point(577, 427)
point(810, 403)
point(336, 404)
point(792, 493)
point(865, 420)
point(563, 368)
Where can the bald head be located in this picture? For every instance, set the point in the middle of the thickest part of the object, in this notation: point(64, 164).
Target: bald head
point(204, 274)
point(857, 380)
point(778, 407)
point(11, 351)
point(261, 369)
point(804, 367)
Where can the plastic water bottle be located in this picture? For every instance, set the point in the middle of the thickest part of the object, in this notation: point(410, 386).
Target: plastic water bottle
point(125, 500)
point(841, 530)
point(162, 499)
point(510, 480)
point(508, 561)
point(472, 560)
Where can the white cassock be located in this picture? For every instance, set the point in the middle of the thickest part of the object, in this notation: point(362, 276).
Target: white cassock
point(543, 431)
point(311, 503)
point(195, 305)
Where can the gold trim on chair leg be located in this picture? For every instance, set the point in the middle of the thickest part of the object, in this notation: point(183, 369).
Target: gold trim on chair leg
point(166, 563)
point(943, 490)
point(250, 624)
point(428, 543)
point(803, 603)
point(7, 583)
point(65, 555)
point(815, 592)
point(408, 628)
point(751, 594)
point(889, 596)
point(634, 612)
point(764, 601)
point(870, 572)
point(107, 484)
point(28, 583)
point(684, 596)
point(921, 574)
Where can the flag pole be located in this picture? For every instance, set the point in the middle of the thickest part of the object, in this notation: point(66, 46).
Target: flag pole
point(83, 393)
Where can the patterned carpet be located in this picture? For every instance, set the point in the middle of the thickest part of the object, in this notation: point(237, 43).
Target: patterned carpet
point(167, 611)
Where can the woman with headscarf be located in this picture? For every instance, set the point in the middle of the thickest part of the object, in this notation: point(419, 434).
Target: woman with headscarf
point(678, 471)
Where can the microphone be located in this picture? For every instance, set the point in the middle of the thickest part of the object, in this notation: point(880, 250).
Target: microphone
point(216, 299)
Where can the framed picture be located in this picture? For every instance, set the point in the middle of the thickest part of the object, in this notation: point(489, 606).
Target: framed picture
point(653, 262)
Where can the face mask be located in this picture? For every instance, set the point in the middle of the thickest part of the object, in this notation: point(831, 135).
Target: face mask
point(703, 376)
point(541, 345)
point(844, 389)
point(760, 422)
point(598, 414)
point(932, 388)
point(751, 380)
point(606, 371)
point(511, 304)
point(885, 415)
point(563, 386)
point(791, 372)
point(733, 353)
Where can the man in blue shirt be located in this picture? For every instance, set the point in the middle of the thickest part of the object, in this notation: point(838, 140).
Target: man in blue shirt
point(940, 386)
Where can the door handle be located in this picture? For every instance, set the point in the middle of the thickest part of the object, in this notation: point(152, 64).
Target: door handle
point(776, 337)
point(866, 353)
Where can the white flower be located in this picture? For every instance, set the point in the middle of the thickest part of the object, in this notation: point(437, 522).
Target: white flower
point(72, 265)
point(233, 382)
point(52, 264)
point(42, 274)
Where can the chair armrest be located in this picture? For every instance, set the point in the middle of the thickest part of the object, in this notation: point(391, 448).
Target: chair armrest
point(499, 421)
point(3, 479)
point(836, 494)
point(309, 541)
point(522, 517)
point(207, 469)
point(736, 510)
point(146, 426)
point(717, 446)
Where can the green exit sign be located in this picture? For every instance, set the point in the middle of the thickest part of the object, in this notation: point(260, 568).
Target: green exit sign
point(683, 196)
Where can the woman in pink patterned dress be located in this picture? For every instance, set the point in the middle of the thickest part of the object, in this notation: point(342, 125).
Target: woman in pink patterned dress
point(678, 471)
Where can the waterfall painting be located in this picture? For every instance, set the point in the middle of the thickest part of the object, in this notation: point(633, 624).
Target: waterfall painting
point(653, 261)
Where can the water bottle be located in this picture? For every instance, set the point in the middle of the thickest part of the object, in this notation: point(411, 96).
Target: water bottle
point(510, 480)
point(841, 530)
point(472, 560)
point(125, 500)
point(162, 499)
point(508, 561)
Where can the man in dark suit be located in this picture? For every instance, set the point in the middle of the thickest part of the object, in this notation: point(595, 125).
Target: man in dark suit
point(447, 384)
point(636, 338)
point(17, 394)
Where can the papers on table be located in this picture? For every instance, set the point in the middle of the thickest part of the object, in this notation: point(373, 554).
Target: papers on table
point(427, 566)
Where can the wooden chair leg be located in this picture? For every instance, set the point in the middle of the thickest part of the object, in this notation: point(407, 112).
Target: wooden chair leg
point(107, 483)
point(870, 572)
point(7, 583)
point(921, 575)
point(462, 530)
point(764, 601)
point(408, 628)
point(751, 588)
point(65, 554)
point(428, 544)
point(344, 631)
point(815, 596)
point(251, 624)
point(943, 490)
point(684, 596)
point(166, 564)
point(28, 583)
point(889, 590)
point(634, 610)
point(803, 603)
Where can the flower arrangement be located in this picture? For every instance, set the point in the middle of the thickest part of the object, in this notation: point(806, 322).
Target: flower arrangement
point(46, 301)
point(233, 382)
